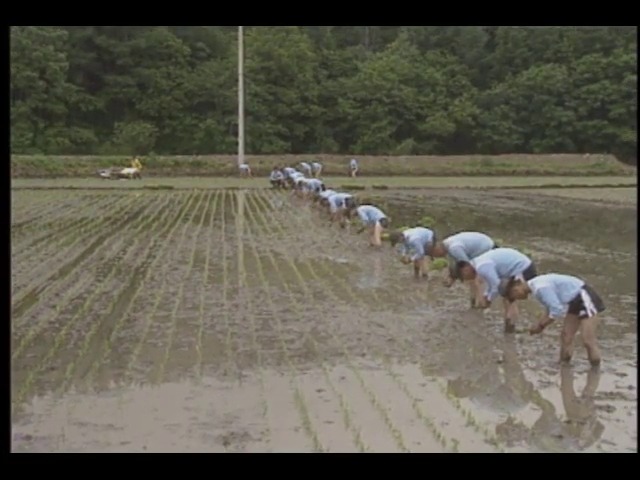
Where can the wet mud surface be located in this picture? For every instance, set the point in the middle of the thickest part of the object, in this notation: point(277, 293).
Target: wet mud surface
point(212, 321)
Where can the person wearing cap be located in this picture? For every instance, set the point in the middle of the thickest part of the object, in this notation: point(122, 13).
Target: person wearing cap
point(493, 268)
point(462, 247)
point(565, 298)
point(415, 244)
point(372, 219)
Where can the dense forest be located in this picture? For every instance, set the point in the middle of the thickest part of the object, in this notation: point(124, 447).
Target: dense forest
point(361, 90)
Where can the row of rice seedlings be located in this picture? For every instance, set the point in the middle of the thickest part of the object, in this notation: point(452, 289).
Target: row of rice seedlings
point(180, 294)
point(61, 336)
point(56, 208)
point(470, 418)
point(204, 287)
point(345, 408)
point(26, 216)
point(354, 298)
point(50, 268)
point(24, 202)
point(438, 434)
point(65, 225)
point(132, 255)
point(158, 247)
point(228, 344)
point(242, 285)
point(69, 292)
point(299, 399)
point(344, 405)
point(176, 248)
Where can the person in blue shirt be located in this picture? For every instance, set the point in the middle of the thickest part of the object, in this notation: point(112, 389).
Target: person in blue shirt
point(245, 170)
point(316, 168)
point(353, 167)
point(306, 169)
point(276, 178)
point(565, 298)
point(313, 187)
point(414, 244)
point(339, 206)
point(372, 219)
point(462, 247)
point(490, 269)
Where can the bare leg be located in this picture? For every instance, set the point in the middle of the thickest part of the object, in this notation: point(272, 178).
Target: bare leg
point(419, 268)
point(589, 327)
point(478, 284)
point(473, 292)
point(569, 329)
point(510, 315)
point(377, 235)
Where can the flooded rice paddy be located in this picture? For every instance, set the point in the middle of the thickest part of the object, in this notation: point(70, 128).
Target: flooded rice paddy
point(213, 321)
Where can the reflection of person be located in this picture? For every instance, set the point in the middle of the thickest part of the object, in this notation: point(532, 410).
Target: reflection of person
point(581, 413)
point(500, 386)
point(564, 297)
point(414, 244)
point(494, 267)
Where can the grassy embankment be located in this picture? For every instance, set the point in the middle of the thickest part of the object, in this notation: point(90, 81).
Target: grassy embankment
point(40, 166)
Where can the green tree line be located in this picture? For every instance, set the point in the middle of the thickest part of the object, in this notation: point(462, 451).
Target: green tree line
point(335, 90)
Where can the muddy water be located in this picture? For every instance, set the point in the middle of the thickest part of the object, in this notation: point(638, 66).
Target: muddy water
point(242, 323)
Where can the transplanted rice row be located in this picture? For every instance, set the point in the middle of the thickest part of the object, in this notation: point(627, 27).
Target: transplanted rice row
point(158, 246)
point(344, 286)
point(57, 274)
point(179, 296)
point(437, 433)
point(53, 211)
point(160, 291)
point(133, 262)
point(58, 278)
point(472, 421)
point(204, 285)
point(354, 298)
point(62, 334)
point(66, 225)
point(242, 285)
point(344, 406)
point(300, 401)
point(225, 286)
point(397, 435)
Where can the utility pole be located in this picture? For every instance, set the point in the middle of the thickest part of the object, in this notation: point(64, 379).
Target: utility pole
point(240, 96)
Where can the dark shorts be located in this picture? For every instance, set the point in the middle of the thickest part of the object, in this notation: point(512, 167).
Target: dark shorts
point(577, 307)
point(530, 272)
